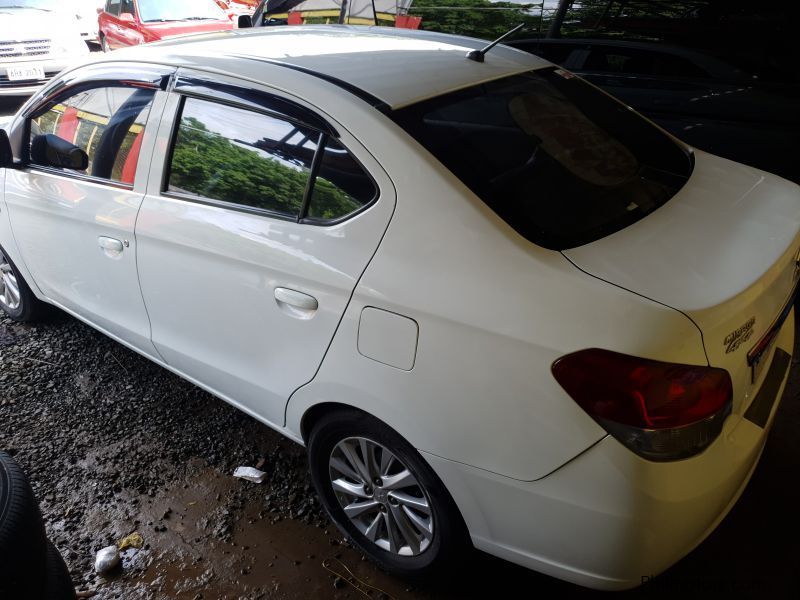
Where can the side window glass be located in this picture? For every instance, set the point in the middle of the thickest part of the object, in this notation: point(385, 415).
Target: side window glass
point(341, 186)
point(112, 7)
point(235, 155)
point(126, 6)
point(107, 123)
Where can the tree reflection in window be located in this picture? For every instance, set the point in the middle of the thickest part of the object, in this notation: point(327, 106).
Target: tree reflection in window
point(234, 155)
point(229, 154)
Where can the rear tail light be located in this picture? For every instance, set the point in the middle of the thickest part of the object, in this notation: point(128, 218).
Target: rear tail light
point(662, 411)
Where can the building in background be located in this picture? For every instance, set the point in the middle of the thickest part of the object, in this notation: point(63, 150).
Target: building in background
point(353, 12)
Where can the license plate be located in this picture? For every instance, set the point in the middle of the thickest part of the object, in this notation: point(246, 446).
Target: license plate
point(25, 72)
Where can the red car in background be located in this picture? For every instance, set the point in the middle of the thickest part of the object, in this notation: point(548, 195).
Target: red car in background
point(131, 22)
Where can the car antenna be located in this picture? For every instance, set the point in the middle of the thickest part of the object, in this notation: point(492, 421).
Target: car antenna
point(477, 55)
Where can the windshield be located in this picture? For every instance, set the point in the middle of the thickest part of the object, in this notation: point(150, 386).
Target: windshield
point(179, 10)
point(561, 162)
point(40, 4)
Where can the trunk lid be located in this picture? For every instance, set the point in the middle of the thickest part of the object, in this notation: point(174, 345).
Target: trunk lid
point(723, 250)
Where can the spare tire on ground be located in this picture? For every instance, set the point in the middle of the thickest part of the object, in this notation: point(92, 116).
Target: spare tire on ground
point(58, 583)
point(23, 545)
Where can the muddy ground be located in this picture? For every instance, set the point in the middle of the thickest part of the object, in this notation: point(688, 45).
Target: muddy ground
point(113, 444)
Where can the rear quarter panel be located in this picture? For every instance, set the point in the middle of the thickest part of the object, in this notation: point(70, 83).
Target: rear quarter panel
point(494, 312)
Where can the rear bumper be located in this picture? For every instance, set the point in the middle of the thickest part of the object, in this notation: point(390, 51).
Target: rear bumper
point(609, 518)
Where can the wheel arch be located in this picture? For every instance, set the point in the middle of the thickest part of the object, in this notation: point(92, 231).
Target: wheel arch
point(315, 412)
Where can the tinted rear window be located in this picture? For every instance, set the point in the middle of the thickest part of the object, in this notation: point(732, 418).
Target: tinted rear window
point(558, 160)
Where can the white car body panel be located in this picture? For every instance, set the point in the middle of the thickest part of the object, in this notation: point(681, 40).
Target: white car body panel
point(487, 336)
point(196, 261)
point(612, 517)
point(59, 244)
point(61, 226)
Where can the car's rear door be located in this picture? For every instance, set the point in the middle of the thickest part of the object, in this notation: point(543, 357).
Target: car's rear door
point(74, 228)
point(260, 216)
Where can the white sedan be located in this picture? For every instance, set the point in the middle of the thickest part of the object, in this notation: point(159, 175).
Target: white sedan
point(500, 308)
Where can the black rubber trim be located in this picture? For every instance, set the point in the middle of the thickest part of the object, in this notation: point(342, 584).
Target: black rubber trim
point(254, 99)
point(760, 408)
point(148, 76)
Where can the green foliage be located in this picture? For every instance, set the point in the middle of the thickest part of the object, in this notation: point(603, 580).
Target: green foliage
point(210, 165)
point(477, 18)
point(330, 202)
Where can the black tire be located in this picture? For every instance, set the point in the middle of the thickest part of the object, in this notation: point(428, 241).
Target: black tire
point(58, 583)
point(104, 44)
point(30, 308)
point(449, 543)
point(23, 545)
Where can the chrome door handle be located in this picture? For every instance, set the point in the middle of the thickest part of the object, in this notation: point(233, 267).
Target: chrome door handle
point(296, 299)
point(111, 246)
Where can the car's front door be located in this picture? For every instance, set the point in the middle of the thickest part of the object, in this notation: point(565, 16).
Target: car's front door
point(75, 228)
point(252, 239)
point(121, 31)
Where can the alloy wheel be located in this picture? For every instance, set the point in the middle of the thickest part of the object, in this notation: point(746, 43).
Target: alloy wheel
point(381, 497)
point(9, 287)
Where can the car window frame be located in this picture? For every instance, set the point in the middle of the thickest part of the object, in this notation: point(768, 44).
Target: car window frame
point(144, 76)
point(108, 12)
point(134, 5)
point(269, 103)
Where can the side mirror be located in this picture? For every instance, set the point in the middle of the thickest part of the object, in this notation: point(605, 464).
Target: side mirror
point(6, 153)
point(245, 21)
point(52, 151)
point(127, 18)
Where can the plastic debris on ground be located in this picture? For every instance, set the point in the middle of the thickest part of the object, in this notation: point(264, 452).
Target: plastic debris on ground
point(250, 474)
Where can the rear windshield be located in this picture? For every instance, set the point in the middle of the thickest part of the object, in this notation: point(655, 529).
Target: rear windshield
point(561, 162)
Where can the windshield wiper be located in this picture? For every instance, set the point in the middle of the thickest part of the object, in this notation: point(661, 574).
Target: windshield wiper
point(199, 19)
point(160, 20)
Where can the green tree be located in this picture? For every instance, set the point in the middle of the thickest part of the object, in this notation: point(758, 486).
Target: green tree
point(210, 165)
point(477, 18)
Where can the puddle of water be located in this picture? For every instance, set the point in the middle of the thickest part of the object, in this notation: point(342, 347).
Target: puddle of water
point(211, 543)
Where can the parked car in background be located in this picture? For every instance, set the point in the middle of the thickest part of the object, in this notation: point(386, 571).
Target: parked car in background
point(86, 12)
point(38, 38)
point(238, 7)
point(133, 22)
point(701, 99)
point(498, 306)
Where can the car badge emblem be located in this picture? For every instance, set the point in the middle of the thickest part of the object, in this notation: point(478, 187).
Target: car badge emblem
point(738, 337)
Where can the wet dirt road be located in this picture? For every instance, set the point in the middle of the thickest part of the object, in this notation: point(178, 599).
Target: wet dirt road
point(113, 444)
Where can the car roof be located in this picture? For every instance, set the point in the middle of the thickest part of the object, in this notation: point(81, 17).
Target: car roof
point(396, 66)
